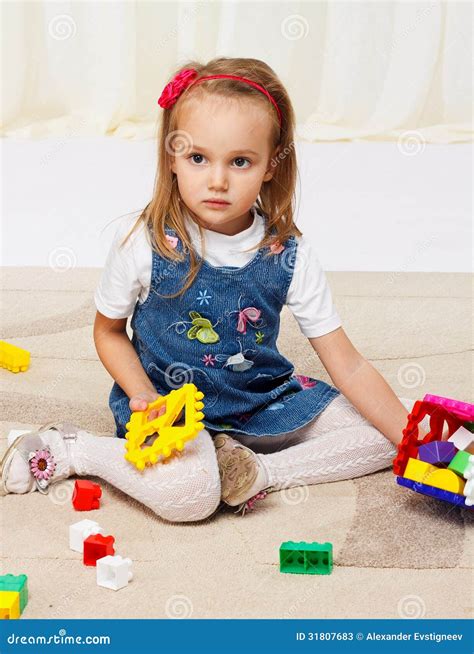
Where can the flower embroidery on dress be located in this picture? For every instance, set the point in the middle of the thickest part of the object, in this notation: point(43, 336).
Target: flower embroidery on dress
point(277, 247)
point(208, 359)
point(203, 297)
point(306, 382)
point(259, 337)
point(172, 240)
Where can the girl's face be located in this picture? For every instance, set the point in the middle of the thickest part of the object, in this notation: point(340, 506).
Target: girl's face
point(228, 157)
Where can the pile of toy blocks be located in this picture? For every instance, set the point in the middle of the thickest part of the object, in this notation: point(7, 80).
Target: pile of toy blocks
point(13, 596)
point(87, 538)
point(443, 469)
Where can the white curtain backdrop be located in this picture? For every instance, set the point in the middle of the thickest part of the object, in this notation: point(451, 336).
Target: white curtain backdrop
point(354, 70)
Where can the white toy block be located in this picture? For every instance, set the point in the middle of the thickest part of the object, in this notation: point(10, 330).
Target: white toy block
point(114, 572)
point(461, 438)
point(13, 434)
point(469, 486)
point(79, 531)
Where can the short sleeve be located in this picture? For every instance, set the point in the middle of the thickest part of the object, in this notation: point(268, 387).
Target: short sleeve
point(309, 297)
point(127, 272)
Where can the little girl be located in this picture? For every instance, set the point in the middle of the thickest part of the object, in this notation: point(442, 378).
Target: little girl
point(206, 270)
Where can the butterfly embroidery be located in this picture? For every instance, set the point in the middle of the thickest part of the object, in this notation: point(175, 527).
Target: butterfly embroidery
point(201, 329)
point(250, 313)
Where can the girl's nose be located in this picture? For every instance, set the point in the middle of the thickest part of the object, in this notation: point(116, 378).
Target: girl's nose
point(217, 178)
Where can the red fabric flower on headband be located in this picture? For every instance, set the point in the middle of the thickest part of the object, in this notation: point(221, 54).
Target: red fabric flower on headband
point(173, 90)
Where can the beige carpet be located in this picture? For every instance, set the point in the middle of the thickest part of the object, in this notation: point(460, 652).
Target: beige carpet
point(396, 554)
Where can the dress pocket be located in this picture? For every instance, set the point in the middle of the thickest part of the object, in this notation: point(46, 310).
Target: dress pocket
point(265, 383)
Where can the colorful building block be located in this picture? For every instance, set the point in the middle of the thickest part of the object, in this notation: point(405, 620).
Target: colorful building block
point(306, 558)
point(13, 358)
point(9, 605)
point(86, 495)
point(170, 436)
point(437, 452)
point(17, 584)
point(114, 572)
point(79, 531)
point(462, 410)
point(425, 473)
point(96, 547)
point(459, 463)
point(462, 438)
point(409, 444)
point(431, 491)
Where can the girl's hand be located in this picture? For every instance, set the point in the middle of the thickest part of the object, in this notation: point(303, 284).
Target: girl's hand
point(141, 401)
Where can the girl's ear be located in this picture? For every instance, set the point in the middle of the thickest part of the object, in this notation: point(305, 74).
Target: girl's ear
point(173, 164)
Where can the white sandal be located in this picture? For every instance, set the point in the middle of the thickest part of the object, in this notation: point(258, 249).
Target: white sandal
point(37, 454)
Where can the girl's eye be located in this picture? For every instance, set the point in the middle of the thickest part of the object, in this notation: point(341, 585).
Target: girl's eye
point(196, 155)
point(242, 159)
point(196, 158)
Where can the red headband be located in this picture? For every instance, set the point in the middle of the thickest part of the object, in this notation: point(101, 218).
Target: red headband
point(187, 78)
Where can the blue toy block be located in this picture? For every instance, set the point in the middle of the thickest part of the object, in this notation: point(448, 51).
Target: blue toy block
point(431, 491)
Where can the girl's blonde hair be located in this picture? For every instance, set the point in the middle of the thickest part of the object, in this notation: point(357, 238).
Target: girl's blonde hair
point(276, 197)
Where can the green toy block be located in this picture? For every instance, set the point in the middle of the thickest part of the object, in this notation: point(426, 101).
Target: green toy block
point(459, 462)
point(470, 426)
point(18, 583)
point(306, 558)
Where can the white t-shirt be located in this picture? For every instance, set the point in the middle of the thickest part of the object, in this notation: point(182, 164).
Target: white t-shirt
point(127, 274)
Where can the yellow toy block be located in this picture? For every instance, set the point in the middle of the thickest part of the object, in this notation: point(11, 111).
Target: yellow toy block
point(9, 605)
point(170, 437)
point(417, 470)
point(13, 358)
point(425, 473)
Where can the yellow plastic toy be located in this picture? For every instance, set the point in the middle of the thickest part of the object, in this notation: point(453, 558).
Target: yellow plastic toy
point(430, 475)
point(9, 605)
point(170, 437)
point(13, 358)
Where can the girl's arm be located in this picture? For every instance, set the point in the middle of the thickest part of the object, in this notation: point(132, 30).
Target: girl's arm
point(119, 357)
point(361, 383)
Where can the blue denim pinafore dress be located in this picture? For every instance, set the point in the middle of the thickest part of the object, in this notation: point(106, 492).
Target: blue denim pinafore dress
point(221, 335)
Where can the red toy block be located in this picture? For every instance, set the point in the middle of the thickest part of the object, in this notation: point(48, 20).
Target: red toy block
point(408, 446)
point(86, 496)
point(96, 547)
